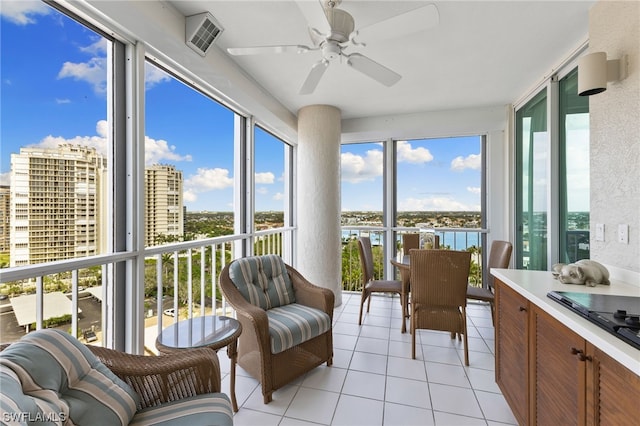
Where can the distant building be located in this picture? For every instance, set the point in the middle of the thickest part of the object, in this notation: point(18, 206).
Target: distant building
point(164, 214)
point(5, 215)
point(56, 207)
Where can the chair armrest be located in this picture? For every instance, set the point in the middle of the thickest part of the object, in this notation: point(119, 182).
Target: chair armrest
point(160, 379)
point(309, 294)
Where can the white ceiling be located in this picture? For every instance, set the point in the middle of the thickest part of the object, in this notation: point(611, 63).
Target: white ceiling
point(482, 53)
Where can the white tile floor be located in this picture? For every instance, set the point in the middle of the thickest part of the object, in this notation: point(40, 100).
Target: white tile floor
point(374, 381)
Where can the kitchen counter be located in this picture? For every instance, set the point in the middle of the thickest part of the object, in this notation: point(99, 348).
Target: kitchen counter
point(534, 286)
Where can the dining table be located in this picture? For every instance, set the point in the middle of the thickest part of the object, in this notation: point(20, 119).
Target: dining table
point(403, 263)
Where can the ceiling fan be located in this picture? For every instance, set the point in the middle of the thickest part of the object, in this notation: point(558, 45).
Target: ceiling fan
point(332, 32)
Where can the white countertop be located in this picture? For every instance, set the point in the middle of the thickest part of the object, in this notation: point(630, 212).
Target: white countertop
point(534, 285)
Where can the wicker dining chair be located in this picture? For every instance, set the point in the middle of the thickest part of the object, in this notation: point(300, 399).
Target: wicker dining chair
point(439, 280)
point(410, 241)
point(499, 257)
point(370, 284)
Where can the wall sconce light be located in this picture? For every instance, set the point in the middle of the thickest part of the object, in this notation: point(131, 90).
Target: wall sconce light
point(594, 71)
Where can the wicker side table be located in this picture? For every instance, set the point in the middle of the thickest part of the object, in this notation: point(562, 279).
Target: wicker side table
point(209, 331)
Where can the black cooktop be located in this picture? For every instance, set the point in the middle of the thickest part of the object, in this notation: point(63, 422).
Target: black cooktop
point(619, 315)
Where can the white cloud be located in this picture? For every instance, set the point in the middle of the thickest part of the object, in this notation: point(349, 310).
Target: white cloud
point(472, 161)
point(189, 195)
point(23, 12)
point(434, 204)
point(99, 142)
point(474, 189)
point(102, 128)
point(265, 178)
point(206, 180)
point(63, 101)
point(97, 48)
point(356, 168)
point(94, 72)
point(5, 178)
point(154, 76)
point(262, 190)
point(278, 196)
point(157, 151)
point(407, 154)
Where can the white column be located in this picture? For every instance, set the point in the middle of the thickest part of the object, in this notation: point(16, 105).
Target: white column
point(318, 197)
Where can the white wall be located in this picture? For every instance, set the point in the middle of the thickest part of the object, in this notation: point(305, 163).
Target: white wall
point(614, 28)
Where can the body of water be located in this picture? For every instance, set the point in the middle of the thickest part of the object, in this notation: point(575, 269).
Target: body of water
point(456, 240)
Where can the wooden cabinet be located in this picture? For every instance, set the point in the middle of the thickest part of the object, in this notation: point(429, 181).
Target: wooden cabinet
point(557, 372)
point(612, 391)
point(512, 340)
point(551, 375)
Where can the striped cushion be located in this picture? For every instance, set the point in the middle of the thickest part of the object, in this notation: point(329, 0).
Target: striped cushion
point(59, 376)
point(18, 408)
point(263, 281)
point(208, 409)
point(293, 324)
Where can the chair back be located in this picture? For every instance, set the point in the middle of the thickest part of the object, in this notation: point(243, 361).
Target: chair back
point(499, 257)
point(366, 259)
point(439, 277)
point(262, 280)
point(410, 241)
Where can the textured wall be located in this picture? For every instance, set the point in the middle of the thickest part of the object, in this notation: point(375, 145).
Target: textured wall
point(318, 197)
point(614, 28)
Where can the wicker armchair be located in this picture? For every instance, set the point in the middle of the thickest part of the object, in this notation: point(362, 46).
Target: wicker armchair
point(175, 388)
point(161, 379)
point(439, 280)
point(276, 367)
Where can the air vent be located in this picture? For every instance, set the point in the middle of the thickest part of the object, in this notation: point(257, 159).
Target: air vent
point(201, 31)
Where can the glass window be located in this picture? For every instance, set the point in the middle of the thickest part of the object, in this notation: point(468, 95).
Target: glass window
point(532, 162)
point(54, 157)
point(54, 162)
point(270, 196)
point(439, 185)
point(189, 157)
point(362, 188)
point(270, 192)
point(574, 171)
point(362, 193)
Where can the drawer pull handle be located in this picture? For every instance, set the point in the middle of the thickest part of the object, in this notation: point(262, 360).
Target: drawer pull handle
point(522, 309)
point(581, 355)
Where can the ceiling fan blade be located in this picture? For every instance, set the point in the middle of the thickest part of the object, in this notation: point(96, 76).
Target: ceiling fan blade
point(313, 12)
point(260, 50)
point(407, 23)
point(317, 70)
point(373, 69)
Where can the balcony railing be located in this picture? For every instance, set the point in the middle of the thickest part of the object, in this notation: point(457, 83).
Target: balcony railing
point(180, 279)
point(450, 238)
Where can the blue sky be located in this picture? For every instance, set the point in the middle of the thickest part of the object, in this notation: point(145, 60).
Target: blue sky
point(54, 91)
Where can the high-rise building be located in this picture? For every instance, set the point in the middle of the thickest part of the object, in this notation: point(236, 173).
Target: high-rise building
point(5, 212)
point(56, 204)
point(163, 204)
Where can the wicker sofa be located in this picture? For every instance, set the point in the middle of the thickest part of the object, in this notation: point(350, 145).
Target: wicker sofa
point(50, 377)
point(286, 320)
